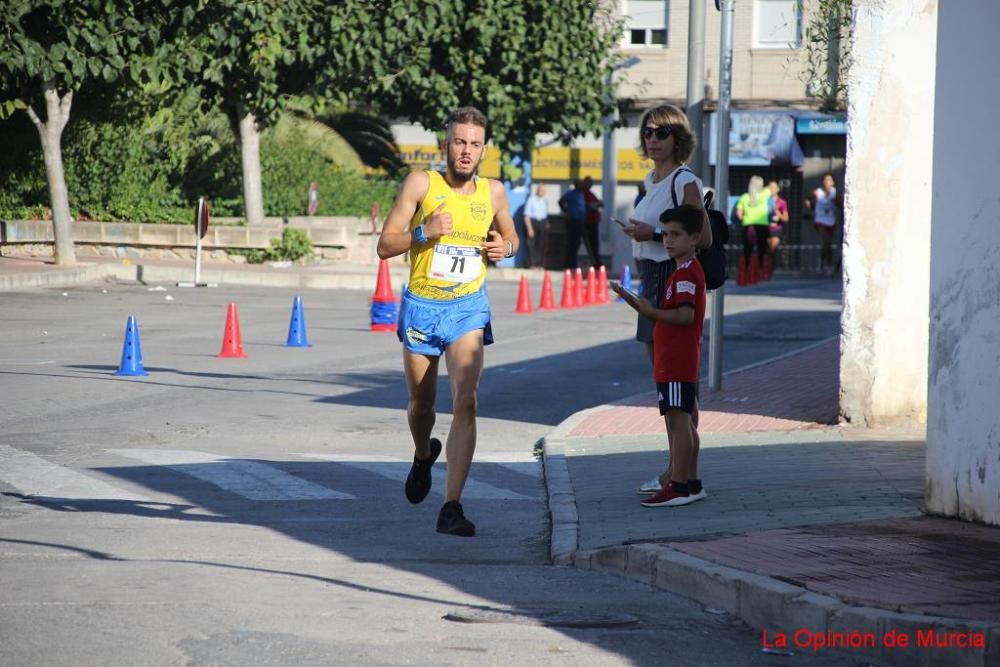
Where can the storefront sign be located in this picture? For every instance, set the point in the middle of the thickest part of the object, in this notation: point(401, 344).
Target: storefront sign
point(758, 138)
point(821, 124)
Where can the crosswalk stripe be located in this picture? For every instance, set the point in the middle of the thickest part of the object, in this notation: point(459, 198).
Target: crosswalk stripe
point(250, 479)
point(35, 476)
point(394, 468)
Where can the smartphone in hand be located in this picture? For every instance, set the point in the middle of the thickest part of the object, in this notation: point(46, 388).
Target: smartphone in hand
point(614, 219)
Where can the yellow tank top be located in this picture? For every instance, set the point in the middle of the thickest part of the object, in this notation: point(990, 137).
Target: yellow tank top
point(453, 265)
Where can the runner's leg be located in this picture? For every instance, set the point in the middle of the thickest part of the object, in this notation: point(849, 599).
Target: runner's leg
point(464, 358)
point(421, 386)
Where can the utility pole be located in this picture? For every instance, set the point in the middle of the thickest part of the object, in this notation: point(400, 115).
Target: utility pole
point(728, 9)
point(696, 80)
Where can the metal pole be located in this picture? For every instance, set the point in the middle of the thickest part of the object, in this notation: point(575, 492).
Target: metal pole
point(696, 79)
point(197, 243)
point(609, 163)
point(728, 9)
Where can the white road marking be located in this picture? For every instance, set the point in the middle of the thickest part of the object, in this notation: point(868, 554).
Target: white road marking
point(36, 476)
point(250, 479)
point(394, 468)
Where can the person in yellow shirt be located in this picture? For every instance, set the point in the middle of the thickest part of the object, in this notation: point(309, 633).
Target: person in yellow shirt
point(753, 213)
point(450, 223)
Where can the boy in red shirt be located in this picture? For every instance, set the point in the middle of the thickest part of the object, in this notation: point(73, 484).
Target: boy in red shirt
point(679, 320)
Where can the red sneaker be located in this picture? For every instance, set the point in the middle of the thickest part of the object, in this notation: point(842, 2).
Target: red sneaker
point(668, 497)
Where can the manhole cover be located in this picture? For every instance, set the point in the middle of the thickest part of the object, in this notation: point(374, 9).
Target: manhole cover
point(558, 619)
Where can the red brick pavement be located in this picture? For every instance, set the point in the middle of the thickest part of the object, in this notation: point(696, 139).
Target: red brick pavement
point(797, 392)
point(925, 565)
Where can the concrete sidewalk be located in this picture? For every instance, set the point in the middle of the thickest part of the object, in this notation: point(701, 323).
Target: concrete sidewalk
point(28, 272)
point(807, 527)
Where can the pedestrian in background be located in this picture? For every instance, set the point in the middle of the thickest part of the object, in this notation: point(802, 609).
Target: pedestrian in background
point(592, 228)
point(778, 210)
point(574, 207)
point(752, 212)
point(536, 214)
point(823, 205)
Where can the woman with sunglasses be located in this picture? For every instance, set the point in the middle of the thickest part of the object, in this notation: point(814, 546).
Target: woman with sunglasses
point(665, 137)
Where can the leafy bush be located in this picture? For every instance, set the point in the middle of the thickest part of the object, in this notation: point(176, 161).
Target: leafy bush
point(153, 170)
point(294, 244)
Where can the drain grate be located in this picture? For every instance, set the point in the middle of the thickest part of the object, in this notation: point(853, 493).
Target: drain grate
point(547, 618)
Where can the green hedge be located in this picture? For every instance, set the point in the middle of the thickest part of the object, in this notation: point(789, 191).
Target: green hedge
point(122, 172)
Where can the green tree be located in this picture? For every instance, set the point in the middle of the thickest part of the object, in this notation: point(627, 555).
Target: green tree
point(828, 54)
point(533, 66)
point(252, 59)
point(50, 50)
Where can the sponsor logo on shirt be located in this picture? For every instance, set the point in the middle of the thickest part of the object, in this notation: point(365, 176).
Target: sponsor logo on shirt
point(686, 287)
point(478, 211)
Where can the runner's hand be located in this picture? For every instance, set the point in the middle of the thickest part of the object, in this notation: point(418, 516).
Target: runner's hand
point(496, 247)
point(439, 223)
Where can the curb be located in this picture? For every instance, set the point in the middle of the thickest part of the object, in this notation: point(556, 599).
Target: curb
point(765, 603)
point(774, 606)
point(82, 273)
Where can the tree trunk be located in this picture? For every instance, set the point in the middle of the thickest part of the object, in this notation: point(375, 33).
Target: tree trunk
point(253, 192)
point(50, 132)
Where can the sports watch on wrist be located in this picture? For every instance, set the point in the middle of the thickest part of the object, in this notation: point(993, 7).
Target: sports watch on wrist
point(419, 234)
point(509, 252)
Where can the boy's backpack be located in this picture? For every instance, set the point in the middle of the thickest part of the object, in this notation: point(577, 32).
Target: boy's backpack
point(713, 259)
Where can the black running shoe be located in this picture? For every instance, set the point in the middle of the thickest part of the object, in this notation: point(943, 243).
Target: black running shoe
point(418, 482)
point(452, 521)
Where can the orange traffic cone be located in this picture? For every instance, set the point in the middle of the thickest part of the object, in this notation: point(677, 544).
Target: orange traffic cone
point(232, 341)
point(602, 285)
point(523, 297)
point(591, 295)
point(741, 272)
point(383, 309)
point(548, 297)
point(383, 287)
point(578, 295)
point(567, 291)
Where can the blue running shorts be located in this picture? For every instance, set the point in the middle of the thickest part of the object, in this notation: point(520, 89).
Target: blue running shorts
point(428, 326)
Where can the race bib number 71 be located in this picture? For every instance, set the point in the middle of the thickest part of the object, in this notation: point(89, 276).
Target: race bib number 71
point(457, 264)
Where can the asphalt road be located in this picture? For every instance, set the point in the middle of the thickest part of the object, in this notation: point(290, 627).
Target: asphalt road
point(250, 511)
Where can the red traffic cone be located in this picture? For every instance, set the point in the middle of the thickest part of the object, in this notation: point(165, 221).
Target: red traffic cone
point(548, 297)
point(753, 276)
point(383, 287)
point(602, 285)
point(578, 294)
point(591, 295)
point(232, 341)
point(567, 292)
point(741, 272)
point(523, 297)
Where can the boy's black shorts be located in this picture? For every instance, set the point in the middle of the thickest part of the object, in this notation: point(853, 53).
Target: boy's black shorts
point(677, 396)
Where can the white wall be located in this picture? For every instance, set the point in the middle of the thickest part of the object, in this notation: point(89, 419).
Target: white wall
point(963, 419)
point(883, 372)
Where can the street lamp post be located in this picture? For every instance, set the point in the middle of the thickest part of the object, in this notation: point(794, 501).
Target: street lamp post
point(728, 9)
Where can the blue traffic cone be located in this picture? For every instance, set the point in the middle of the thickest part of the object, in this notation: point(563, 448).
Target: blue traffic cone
point(626, 279)
point(131, 351)
point(297, 327)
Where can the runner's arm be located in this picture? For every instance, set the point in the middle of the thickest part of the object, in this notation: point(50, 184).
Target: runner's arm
point(396, 234)
point(502, 236)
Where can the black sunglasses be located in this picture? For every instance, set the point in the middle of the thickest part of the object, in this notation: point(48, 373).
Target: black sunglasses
point(660, 132)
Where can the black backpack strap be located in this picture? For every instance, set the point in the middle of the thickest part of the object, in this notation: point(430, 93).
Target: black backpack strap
point(673, 185)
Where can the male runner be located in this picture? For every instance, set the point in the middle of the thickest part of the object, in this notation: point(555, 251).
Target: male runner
point(446, 223)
